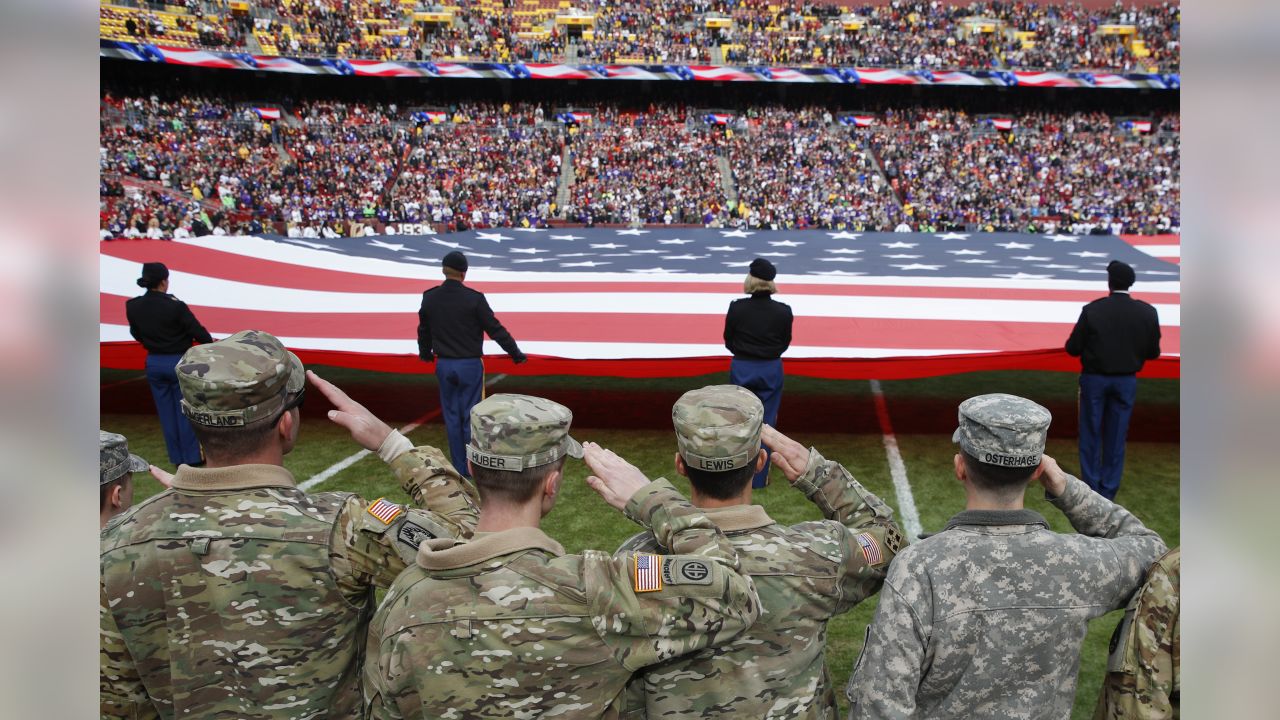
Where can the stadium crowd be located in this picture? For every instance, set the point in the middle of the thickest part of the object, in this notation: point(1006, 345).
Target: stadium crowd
point(195, 165)
point(902, 33)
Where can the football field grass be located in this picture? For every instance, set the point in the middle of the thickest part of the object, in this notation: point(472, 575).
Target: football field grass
point(837, 417)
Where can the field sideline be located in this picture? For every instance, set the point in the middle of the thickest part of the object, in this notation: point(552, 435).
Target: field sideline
point(632, 417)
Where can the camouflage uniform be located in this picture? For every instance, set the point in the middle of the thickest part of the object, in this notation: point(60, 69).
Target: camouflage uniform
point(508, 626)
point(805, 574)
point(1143, 672)
point(986, 618)
point(114, 459)
point(235, 594)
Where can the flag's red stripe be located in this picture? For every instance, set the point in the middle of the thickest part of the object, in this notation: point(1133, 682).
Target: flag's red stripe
point(229, 266)
point(1152, 239)
point(648, 328)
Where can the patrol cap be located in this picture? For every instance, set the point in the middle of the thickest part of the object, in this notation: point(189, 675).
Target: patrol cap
point(718, 427)
point(515, 432)
point(247, 377)
point(114, 459)
point(1003, 430)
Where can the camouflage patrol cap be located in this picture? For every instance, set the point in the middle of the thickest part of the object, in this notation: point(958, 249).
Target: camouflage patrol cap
point(114, 459)
point(241, 379)
point(718, 427)
point(515, 432)
point(1004, 430)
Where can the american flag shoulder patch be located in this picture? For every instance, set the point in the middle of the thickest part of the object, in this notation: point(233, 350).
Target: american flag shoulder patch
point(870, 549)
point(384, 510)
point(648, 572)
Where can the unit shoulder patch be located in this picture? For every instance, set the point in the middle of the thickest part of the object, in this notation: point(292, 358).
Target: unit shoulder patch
point(684, 571)
point(412, 534)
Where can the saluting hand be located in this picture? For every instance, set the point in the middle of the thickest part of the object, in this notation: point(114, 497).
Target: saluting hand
point(365, 427)
point(791, 457)
point(614, 478)
point(1052, 477)
point(163, 477)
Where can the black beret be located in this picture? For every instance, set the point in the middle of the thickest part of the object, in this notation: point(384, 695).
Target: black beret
point(763, 269)
point(153, 273)
point(1120, 274)
point(456, 260)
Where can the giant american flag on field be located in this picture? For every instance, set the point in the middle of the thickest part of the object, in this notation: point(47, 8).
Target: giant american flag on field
point(651, 301)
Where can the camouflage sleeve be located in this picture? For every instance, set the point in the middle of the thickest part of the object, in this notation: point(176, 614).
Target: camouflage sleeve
point(121, 693)
point(650, 607)
point(887, 674)
point(379, 696)
point(1143, 679)
point(375, 541)
point(1134, 545)
point(640, 542)
point(871, 537)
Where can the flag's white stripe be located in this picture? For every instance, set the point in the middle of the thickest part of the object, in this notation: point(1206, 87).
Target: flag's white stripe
point(217, 292)
point(279, 251)
point(1161, 251)
point(576, 350)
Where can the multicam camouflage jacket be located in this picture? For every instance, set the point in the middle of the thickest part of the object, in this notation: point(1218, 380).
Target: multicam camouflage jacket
point(805, 574)
point(235, 594)
point(508, 626)
point(986, 618)
point(1144, 677)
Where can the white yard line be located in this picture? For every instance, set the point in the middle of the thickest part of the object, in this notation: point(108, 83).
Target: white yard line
point(350, 460)
point(897, 469)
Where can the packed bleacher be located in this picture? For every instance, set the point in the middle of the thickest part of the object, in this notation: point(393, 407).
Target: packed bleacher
point(198, 165)
point(902, 33)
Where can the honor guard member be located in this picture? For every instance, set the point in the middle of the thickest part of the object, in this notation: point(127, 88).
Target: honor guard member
point(236, 594)
point(757, 330)
point(166, 328)
point(985, 619)
point(116, 466)
point(805, 574)
point(1113, 338)
point(452, 323)
point(509, 626)
point(1144, 670)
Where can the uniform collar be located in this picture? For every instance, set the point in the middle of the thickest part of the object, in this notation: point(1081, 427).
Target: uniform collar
point(738, 517)
point(235, 477)
point(997, 518)
point(448, 553)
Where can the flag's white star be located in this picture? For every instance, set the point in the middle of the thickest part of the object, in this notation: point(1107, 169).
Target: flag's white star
point(840, 259)
point(967, 252)
point(527, 229)
point(1158, 272)
point(480, 255)
point(527, 251)
point(585, 263)
point(633, 231)
point(953, 236)
point(842, 235)
point(785, 243)
point(918, 266)
point(531, 260)
point(1062, 238)
point(307, 243)
point(899, 244)
point(735, 263)
point(978, 262)
point(724, 248)
point(776, 254)
point(1023, 276)
point(838, 272)
point(607, 246)
point(615, 254)
point(1087, 254)
point(566, 237)
point(736, 233)
point(496, 237)
point(844, 251)
point(1014, 245)
point(1052, 266)
point(684, 257)
point(569, 255)
point(904, 257)
point(1032, 258)
point(446, 243)
point(653, 270)
point(675, 241)
point(647, 252)
point(394, 247)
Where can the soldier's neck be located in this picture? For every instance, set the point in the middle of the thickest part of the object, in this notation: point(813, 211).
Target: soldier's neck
point(496, 517)
point(702, 501)
point(267, 456)
point(982, 501)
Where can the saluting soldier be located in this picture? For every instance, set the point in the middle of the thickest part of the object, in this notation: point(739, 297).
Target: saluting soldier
point(509, 626)
point(805, 574)
point(234, 593)
point(166, 327)
point(452, 323)
point(985, 619)
point(116, 466)
point(1144, 669)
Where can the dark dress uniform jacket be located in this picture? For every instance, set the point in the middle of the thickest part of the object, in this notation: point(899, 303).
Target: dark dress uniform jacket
point(453, 321)
point(1115, 335)
point(758, 327)
point(163, 323)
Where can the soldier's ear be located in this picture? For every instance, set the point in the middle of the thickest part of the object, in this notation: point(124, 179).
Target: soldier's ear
point(551, 484)
point(762, 457)
point(962, 472)
point(680, 466)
